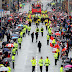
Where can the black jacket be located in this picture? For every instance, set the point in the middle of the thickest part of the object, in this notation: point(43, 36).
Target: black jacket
point(39, 45)
point(32, 35)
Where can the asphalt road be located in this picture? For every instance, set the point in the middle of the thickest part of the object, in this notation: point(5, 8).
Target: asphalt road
point(29, 50)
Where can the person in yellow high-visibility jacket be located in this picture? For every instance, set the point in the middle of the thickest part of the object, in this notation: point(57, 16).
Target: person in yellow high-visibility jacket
point(24, 32)
point(58, 52)
point(33, 61)
point(26, 29)
point(49, 22)
point(61, 68)
point(13, 51)
point(21, 34)
point(56, 58)
point(42, 29)
point(50, 32)
point(29, 28)
point(9, 69)
point(47, 63)
point(19, 41)
point(37, 29)
point(48, 27)
point(16, 47)
point(41, 63)
point(13, 60)
point(53, 42)
point(48, 37)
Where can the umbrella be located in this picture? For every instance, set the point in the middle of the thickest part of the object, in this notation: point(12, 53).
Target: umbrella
point(4, 69)
point(14, 37)
point(20, 25)
point(7, 59)
point(66, 69)
point(57, 33)
point(15, 31)
point(6, 49)
point(10, 18)
point(9, 45)
point(20, 14)
point(4, 43)
point(68, 66)
point(64, 57)
point(64, 49)
point(16, 17)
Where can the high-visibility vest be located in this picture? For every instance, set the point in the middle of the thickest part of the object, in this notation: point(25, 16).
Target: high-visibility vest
point(53, 41)
point(13, 51)
point(37, 30)
point(41, 62)
point(24, 26)
point(29, 28)
point(24, 30)
point(56, 56)
point(48, 37)
point(61, 69)
point(9, 69)
point(19, 40)
point(48, 27)
point(47, 62)
point(42, 29)
point(33, 62)
point(21, 34)
point(13, 58)
point(16, 45)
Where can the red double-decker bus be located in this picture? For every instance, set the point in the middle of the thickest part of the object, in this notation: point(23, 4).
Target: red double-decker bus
point(36, 8)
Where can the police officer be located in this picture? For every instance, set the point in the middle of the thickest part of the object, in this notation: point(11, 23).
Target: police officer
point(48, 39)
point(37, 29)
point(13, 60)
point(47, 63)
point(13, 51)
point(9, 69)
point(50, 32)
point(41, 63)
point(56, 58)
point(24, 32)
point(19, 41)
point(61, 68)
point(21, 34)
point(16, 47)
point(33, 61)
point(29, 28)
point(42, 31)
point(53, 42)
point(26, 29)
